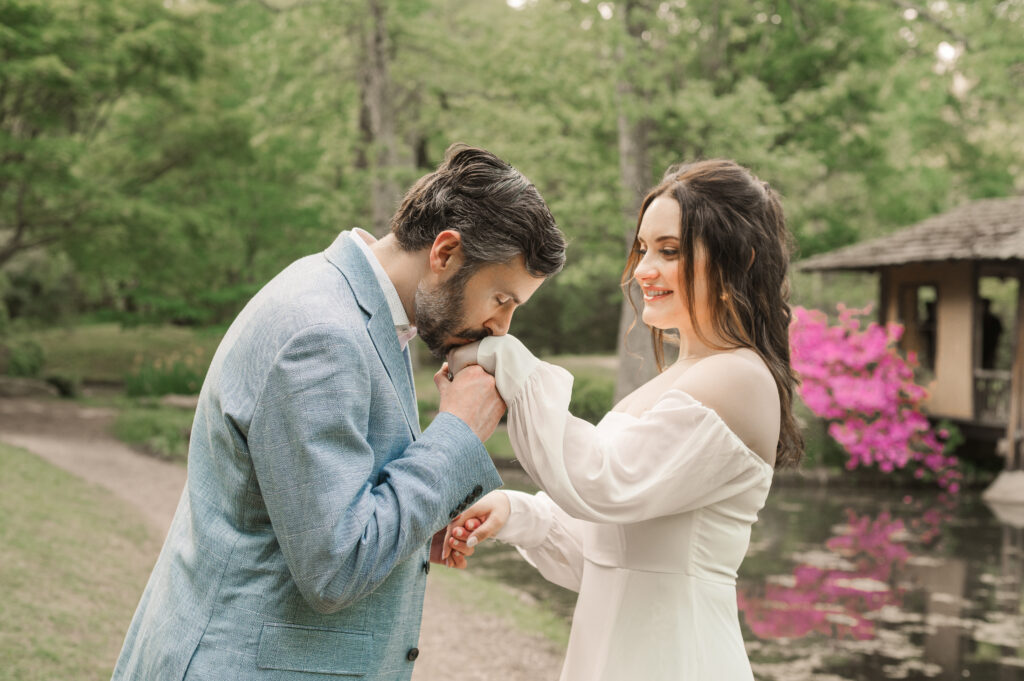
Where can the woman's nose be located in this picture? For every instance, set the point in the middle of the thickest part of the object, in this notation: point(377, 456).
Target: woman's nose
point(644, 270)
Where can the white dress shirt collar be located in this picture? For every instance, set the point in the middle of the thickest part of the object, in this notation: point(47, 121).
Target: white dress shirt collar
point(403, 328)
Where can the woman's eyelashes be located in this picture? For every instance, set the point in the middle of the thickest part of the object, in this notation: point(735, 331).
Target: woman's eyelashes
point(667, 252)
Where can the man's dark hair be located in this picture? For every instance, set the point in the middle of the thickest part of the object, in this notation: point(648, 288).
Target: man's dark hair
point(498, 213)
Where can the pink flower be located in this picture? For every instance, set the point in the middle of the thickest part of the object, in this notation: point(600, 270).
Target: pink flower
point(855, 378)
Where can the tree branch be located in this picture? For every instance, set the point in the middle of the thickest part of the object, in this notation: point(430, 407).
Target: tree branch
point(932, 19)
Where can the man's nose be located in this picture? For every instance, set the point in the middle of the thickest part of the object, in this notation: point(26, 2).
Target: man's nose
point(499, 324)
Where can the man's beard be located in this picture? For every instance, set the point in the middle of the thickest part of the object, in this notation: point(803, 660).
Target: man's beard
point(440, 312)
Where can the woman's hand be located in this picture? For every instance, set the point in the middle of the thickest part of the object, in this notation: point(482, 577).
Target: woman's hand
point(480, 521)
point(462, 356)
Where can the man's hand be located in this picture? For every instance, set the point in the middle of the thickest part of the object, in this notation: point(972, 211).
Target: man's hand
point(472, 397)
point(480, 521)
point(440, 554)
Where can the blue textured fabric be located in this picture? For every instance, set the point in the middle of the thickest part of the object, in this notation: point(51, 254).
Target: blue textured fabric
point(297, 551)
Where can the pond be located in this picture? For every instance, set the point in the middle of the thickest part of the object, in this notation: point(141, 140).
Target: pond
point(853, 585)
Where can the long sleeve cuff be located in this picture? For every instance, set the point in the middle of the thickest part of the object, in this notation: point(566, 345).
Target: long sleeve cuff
point(509, 361)
point(529, 522)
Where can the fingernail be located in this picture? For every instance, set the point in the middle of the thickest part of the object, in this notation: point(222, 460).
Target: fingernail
point(457, 532)
point(471, 542)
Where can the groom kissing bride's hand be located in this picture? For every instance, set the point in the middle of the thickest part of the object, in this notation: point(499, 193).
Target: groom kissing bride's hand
point(310, 515)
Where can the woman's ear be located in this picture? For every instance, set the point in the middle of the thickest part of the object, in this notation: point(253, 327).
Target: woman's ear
point(446, 252)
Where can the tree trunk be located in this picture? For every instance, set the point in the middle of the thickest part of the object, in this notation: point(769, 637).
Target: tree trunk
point(379, 120)
point(635, 350)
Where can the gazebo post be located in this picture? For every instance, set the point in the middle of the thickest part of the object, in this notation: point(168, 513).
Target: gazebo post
point(1009, 485)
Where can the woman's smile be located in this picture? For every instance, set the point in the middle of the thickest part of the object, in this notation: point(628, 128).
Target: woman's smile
point(654, 293)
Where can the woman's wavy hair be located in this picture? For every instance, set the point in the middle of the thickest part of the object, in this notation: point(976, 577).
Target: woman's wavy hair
point(737, 219)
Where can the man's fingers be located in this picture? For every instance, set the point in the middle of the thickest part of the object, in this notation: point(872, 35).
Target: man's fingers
point(446, 548)
point(460, 547)
point(441, 377)
point(488, 529)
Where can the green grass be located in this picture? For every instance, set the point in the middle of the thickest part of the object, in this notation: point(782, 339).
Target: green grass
point(74, 561)
point(481, 594)
point(106, 352)
point(156, 429)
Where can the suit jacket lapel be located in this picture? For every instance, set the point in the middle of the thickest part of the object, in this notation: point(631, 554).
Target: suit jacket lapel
point(351, 262)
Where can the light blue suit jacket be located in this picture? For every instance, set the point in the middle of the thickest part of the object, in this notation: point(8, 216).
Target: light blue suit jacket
point(300, 546)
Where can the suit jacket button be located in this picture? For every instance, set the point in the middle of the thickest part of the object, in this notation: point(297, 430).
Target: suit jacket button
point(412, 654)
point(478, 490)
point(426, 567)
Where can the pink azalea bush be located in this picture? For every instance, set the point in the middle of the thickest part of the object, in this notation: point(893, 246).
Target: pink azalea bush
point(857, 380)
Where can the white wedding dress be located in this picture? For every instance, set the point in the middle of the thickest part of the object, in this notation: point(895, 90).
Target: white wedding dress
point(647, 518)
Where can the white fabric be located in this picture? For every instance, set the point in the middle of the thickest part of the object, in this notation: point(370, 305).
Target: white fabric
point(508, 360)
point(653, 514)
point(405, 331)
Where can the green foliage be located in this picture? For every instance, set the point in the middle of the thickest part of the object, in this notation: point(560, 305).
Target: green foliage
point(172, 158)
point(99, 353)
point(25, 358)
point(177, 373)
point(592, 397)
point(160, 431)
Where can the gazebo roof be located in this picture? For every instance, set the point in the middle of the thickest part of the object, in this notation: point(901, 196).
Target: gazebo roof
point(987, 229)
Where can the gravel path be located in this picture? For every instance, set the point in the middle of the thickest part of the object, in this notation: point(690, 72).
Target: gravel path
point(455, 644)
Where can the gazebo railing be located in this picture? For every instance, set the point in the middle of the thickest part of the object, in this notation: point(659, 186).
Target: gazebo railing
point(992, 396)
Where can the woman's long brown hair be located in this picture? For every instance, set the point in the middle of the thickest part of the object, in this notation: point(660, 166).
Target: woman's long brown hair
point(738, 221)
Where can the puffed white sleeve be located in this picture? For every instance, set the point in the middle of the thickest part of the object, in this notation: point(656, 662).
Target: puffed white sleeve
point(677, 457)
point(546, 536)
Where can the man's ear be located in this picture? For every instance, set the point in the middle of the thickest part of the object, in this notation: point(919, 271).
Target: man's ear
point(446, 253)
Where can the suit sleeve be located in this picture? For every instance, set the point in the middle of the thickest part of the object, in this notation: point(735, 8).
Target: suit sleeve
point(341, 529)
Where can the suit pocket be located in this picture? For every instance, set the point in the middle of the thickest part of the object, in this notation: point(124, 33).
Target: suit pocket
point(313, 649)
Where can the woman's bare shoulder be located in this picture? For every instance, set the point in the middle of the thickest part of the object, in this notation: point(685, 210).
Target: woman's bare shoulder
point(738, 386)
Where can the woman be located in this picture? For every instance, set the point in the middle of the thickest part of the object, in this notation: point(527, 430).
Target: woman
point(648, 514)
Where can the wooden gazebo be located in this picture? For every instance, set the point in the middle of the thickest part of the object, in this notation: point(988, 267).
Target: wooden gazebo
point(929, 283)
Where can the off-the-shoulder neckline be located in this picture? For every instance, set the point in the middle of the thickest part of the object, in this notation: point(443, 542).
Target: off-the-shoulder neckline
point(693, 400)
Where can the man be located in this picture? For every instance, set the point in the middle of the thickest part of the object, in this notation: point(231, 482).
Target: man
point(300, 547)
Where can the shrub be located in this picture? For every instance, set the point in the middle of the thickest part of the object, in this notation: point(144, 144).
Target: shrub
point(179, 374)
point(25, 358)
point(592, 397)
point(160, 431)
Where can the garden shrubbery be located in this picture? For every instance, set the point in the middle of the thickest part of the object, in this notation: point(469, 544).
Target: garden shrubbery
point(592, 397)
point(177, 374)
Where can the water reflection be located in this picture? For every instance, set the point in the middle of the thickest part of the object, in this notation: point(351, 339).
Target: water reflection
point(926, 588)
point(851, 586)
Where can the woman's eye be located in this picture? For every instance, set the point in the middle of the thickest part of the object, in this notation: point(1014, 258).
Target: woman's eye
point(668, 252)
point(642, 251)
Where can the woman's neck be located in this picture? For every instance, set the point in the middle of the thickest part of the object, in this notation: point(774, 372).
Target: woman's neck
point(691, 347)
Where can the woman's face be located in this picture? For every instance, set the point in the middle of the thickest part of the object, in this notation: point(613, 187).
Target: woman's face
point(659, 271)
